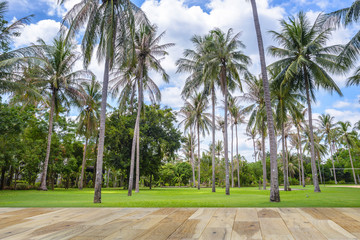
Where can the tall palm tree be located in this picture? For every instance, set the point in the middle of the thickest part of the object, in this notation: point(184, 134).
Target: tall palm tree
point(298, 122)
point(326, 123)
point(194, 62)
point(238, 117)
point(58, 82)
point(225, 61)
point(274, 192)
point(307, 62)
point(189, 146)
point(110, 24)
point(286, 102)
point(251, 133)
point(258, 116)
point(89, 118)
point(197, 105)
point(348, 138)
point(141, 61)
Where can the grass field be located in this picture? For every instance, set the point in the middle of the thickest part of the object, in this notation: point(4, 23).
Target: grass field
point(183, 197)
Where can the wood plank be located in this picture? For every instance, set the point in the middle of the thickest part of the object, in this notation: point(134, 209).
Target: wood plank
point(274, 228)
point(246, 230)
point(346, 222)
point(299, 226)
point(220, 225)
point(247, 215)
point(267, 213)
point(327, 227)
point(168, 225)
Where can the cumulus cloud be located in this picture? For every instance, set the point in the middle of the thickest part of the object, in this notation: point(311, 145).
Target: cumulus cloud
point(44, 29)
point(347, 115)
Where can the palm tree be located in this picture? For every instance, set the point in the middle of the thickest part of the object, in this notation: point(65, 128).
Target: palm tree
point(197, 105)
point(237, 114)
point(111, 24)
point(298, 122)
point(348, 138)
point(306, 61)
point(258, 116)
point(286, 101)
point(326, 123)
point(139, 64)
point(274, 192)
point(89, 118)
point(189, 146)
point(194, 62)
point(226, 62)
point(251, 133)
point(58, 82)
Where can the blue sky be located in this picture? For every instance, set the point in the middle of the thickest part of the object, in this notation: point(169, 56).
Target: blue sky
point(183, 18)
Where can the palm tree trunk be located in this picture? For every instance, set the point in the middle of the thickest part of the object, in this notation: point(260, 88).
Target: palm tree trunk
point(299, 166)
point(193, 159)
point(232, 155)
point(99, 161)
point(352, 165)
point(254, 149)
point(82, 180)
point(287, 163)
point(274, 192)
point(198, 134)
point(237, 155)
point(313, 163)
point(213, 137)
point(284, 157)
point(332, 160)
point(301, 158)
point(137, 179)
point(107, 178)
point(263, 159)
point(46, 163)
point(227, 184)
point(318, 158)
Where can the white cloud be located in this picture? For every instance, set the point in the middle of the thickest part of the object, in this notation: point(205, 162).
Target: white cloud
point(45, 29)
point(341, 104)
point(347, 115)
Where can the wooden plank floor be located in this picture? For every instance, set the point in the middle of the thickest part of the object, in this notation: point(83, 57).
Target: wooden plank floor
point(179, 223)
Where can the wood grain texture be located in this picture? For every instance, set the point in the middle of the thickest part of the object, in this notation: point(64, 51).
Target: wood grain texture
point(179, 223)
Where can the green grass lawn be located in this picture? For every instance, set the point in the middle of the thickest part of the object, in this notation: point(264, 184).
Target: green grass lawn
point(183, 197)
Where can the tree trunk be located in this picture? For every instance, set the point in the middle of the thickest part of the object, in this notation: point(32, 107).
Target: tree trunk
point(107, 178)
point(287, 163)
point(198, 133)
point(213, 138)
point(100, 153)
point(232, 155)
point(82, 180)
point(193, 159)
point(150, 183)
point(263, 160)
point(352, 165)
point(237, 155)
point(284, 157)
point(140, 88)
point(299, 164)
point(318, 158)
point(274, 191)
point(46, 163)
point(132, 162)
point(301, 158)
point(2, 182)
point(332, 160)
point(227, 184)
point(254, 149)
point(313, 163)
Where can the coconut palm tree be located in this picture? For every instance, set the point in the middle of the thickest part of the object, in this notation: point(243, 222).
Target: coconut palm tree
point(307, 62)
point(326, 124)
point(225, 61)
point(348, 138)
point(57, 81)
point(251, 133)
point(257, 110)
point(140, 62)
point(197, 105)
point(188, 147)
point(274, 192)
point(298, 122)
point(110, 24)
point(194, 62)
point(286, 101)
point(88, 119)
